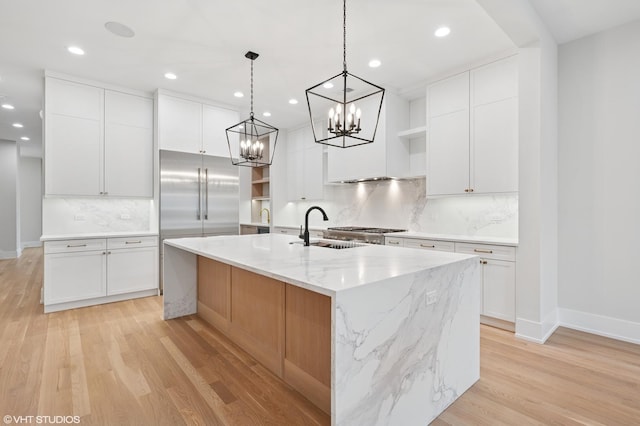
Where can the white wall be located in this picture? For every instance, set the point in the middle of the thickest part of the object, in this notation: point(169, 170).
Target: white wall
point(9, 233)
point(599, 175)
point(30, 201)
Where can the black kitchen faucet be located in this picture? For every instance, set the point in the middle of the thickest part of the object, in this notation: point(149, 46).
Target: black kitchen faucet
point(305, 235)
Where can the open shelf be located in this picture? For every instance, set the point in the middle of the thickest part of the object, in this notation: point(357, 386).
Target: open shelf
point(413, 133)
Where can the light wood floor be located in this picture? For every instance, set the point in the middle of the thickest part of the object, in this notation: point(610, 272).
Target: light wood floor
point(120, 364)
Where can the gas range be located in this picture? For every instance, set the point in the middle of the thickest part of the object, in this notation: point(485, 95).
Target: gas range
point(358, 233)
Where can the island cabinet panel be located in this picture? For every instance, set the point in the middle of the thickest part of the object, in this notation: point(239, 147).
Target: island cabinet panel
point(214, 291)
point(257, 317)
point(307, 359)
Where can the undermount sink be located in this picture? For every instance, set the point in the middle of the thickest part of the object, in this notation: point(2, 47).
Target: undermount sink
point(335, 244)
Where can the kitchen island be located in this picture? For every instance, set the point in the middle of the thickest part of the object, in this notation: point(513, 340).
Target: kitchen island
point(370, 334)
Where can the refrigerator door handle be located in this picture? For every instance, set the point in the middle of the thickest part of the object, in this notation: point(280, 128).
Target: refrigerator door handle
point(199, 195)
point(206, 193)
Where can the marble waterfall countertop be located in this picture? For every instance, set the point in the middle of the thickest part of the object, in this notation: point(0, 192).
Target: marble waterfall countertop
point(320, 269)
point(405, 323)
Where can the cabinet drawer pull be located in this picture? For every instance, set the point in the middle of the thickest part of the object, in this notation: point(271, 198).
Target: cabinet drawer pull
point(427, 246)
point(483, 262)
point(76, 245)
point(395, 243)
point(483, 251)
point(133, 242)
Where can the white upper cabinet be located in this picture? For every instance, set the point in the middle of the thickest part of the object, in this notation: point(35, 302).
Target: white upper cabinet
point(189, 126)
point(305, 178)
point(73, 138)
point(128, 149)
point(494, 127)
point(97, 142)
point(179, 124)
point(387, 156)
point(214, 123)
point(448, 136)
point(473, 131)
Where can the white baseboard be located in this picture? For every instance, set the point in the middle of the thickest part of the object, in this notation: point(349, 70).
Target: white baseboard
point(28, 244)
point(537, 332)
point(7, 254)
point(614, 328)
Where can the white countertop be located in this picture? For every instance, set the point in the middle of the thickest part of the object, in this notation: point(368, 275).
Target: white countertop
point(255, 224)
point(456, 238)
point(58, 237)
point(319, 269)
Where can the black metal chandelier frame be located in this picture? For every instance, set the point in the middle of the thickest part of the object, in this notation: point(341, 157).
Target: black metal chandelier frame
point(252, 130)
point(344, 129)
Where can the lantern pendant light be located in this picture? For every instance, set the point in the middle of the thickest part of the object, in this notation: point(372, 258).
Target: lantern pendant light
point(345, 109)
point(252, 142)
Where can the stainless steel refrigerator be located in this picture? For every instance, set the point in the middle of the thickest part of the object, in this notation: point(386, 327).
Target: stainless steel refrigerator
point(198, 196)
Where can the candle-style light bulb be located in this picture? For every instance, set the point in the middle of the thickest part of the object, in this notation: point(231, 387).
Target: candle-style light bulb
point(352, 109)
point(358, 113)
point(331, 113)
point(338, 109)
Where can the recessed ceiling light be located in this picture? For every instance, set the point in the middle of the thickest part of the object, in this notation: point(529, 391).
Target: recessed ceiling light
point(375, 63)
point(442, 32)
point(75, 50)
point(119, 29)
point(293, 101)
point(18, 125)
point(327, 85)
point(7, 106)
point(266, 114)
point(24, 138)
point(238, 94)
point(170, 76)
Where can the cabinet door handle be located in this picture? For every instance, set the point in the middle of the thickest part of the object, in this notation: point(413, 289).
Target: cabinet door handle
point(427, 246)
point(104, 252)
point(482, 251)
point(466, 190)
point(483, 262)
point(395, 243)
point(199, 195)
point(133, 242)
point(76, 245)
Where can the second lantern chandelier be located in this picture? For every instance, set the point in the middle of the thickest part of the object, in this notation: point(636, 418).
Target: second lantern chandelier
point(344, 109)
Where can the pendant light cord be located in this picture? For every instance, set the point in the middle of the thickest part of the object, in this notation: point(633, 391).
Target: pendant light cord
point(252, 88)
point(344, 35)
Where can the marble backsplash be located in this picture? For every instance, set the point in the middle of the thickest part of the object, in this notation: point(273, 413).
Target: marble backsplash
point(403, 204)
point(94, 215)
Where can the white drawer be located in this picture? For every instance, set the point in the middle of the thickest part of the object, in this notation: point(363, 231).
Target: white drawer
point(70, 246)
point(132, 242)
point(488, 251)
point(286, 231)
point(392, 241)
point(430, 244)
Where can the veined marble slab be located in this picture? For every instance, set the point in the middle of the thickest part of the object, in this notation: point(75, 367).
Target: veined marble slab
point(405, 323)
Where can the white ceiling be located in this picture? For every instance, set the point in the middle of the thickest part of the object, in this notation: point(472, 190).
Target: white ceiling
point(573, 19)
point(204, 42)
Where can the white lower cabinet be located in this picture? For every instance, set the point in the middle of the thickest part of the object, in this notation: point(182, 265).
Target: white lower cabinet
point(74, 276)
point(498, 279)
point(498, 286)
point(498, 289)
point(88, 272)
